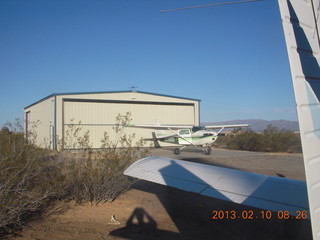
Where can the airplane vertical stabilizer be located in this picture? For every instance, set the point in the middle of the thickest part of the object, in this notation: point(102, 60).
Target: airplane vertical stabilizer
point(300, 23)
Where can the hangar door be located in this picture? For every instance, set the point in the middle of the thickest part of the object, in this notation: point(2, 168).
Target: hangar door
point(99, 116)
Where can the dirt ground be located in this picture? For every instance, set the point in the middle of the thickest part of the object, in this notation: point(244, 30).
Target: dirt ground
point(152, 211)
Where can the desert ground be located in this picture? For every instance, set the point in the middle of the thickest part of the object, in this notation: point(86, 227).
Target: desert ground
point(151, 211)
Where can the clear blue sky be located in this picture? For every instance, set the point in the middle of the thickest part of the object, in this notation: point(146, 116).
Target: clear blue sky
point(231, 57)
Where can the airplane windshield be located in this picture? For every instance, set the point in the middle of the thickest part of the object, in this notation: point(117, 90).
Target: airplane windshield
point(198, 128)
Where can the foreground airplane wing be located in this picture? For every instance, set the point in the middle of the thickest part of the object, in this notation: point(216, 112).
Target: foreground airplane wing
point(251, 189)
point(300, 20)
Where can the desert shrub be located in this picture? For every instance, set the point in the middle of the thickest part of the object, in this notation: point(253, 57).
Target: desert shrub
point(25, 186)
point(74, 138)
point(276, 140)
point(32, 177)
point(248, 140)
point(97, 176)
point(222, 141)
point(270, 140)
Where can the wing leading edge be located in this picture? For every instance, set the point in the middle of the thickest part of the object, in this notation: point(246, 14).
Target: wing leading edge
point(160, 127)
point(228, 126)
point(251, 189)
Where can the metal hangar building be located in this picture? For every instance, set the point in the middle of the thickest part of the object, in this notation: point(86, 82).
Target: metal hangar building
point(96, 112)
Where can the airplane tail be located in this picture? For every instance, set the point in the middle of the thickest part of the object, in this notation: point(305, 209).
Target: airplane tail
point(160, 134)
point(301, 27)
point(157, 136)
point(155, 140)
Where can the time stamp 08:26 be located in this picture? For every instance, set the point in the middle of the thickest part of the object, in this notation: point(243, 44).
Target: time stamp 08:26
point(251, 215)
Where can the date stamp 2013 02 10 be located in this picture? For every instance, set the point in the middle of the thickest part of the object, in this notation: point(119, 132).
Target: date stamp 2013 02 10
point(263, 214)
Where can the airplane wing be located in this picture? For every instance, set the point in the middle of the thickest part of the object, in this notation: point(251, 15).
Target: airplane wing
point(161, 138)
point(160, 127)
point(227, 126)
point(251, 189)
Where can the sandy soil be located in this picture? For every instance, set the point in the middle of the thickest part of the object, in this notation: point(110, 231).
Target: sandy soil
point(151, 211)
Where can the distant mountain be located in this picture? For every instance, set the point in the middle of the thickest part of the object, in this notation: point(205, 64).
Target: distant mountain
point(259, 125)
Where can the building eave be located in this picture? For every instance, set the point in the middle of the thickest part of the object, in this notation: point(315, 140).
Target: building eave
point(106, 92)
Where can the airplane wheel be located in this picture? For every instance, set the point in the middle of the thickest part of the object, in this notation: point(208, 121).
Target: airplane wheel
point(207, 151)
point(177, 151)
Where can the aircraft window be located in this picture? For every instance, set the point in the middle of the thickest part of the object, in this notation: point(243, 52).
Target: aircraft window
point(208, 134)
point(198, 128)
point(184, 131)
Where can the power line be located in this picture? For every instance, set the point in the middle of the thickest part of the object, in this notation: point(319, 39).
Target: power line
point(209, 5)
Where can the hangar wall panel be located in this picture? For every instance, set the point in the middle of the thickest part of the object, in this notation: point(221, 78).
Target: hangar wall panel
point(96, 133)
point(97, 112)
point(105, 113)
point(43, 114)
point(98, 117)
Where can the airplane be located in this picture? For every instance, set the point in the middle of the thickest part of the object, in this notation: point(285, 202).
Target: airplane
point(198, 136)
point(301, 199)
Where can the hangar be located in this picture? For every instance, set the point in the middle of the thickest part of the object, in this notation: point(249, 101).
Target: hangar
point(96, 112)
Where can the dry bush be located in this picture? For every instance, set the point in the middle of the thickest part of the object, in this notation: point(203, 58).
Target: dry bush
point(31, 177)
point(74, 138)
point(270, 140)
point(25, 186)
point(97, 176)
point(276, 140)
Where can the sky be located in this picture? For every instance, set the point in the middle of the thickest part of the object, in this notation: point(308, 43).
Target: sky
point(232, 57)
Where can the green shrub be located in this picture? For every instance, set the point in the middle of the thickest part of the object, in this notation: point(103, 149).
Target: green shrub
point(281, 140)
point(270, 140)
point(248, 140)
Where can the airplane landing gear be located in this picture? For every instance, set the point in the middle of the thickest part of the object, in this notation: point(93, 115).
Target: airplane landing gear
point(177, 151)
point(207, 150)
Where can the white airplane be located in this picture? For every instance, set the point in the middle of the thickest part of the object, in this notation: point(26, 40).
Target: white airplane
point(198, 136)
point(300, 19)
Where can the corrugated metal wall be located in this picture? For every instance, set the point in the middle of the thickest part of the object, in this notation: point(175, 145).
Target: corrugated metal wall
point(99, 116)
point(105, 113)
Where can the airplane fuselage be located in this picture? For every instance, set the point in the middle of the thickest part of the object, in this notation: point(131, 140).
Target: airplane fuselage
point(184, 135)
point(187, 137)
